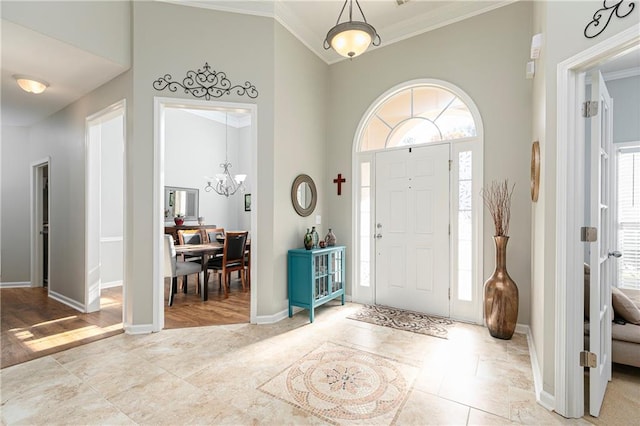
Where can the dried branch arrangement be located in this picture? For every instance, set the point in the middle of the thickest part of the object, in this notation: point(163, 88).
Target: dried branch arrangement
point(497, 198)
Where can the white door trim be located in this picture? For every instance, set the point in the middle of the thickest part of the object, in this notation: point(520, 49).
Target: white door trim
point(160, 105)
point(91, 211)
point(36, 219)
point(569, 381)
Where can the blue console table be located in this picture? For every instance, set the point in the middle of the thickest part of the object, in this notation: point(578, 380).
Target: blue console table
point(314, 277)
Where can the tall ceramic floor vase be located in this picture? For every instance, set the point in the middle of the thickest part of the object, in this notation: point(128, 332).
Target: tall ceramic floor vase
point(501, 296)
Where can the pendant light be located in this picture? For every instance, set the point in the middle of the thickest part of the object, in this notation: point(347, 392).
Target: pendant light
point(226, 184)
point(351, 38)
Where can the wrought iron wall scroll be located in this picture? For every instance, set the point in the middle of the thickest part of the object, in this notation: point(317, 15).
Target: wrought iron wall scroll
point(593, 28)
point(206, 83)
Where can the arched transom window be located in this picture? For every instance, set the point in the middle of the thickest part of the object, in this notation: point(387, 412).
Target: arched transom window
point(417, 115)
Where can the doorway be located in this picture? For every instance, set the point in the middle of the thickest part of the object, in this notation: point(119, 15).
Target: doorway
point(242, 123)
point(40, 230)
point(427, 136)
point(569, 210)
point(104, 198)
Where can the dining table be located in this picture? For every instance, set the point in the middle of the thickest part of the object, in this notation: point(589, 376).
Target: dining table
point(205, 251)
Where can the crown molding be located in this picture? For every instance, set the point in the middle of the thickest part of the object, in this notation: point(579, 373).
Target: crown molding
point(283, 14)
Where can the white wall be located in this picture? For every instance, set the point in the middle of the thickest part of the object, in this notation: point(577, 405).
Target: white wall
point(112, 202)
point(626, 108)
point(194, 148)
point(485, 56)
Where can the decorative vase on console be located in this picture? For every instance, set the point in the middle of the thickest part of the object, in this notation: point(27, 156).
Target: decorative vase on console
point(308, 240)
point(330, 238)
point(500, 291)
point(315, 238)
point(179, 220)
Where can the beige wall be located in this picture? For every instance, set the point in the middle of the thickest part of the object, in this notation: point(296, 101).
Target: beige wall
point(100, 27)
point(15, 172)
point(485, 56)
point(173, 39)
point(301, 86)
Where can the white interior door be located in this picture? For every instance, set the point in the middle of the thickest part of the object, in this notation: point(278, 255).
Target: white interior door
point(412, 229)
point(600, 312)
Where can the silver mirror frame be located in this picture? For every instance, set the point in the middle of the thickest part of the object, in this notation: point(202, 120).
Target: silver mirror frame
point(193, 193)
point(301, 210)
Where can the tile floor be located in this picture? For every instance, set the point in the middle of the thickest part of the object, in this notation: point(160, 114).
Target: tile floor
point(281, 374)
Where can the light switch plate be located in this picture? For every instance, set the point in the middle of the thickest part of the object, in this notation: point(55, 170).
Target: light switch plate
point(318, 219)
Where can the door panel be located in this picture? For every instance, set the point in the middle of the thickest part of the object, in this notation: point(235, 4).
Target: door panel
point(412, 220)
point(600, 312)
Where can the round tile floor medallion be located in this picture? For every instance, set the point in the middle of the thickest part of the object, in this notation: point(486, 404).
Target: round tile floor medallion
point(346, 384)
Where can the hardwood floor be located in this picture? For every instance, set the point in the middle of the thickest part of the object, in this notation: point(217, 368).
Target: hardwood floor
point(33, 325)
point(189, 310)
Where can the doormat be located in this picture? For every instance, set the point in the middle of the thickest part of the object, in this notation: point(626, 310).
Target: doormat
point(400, 319)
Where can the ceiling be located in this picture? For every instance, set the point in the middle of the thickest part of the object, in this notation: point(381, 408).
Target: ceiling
point(25, 51)
point(28, 52)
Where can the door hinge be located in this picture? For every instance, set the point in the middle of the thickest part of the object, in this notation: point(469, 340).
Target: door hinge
point(449, 229)
point(450, 161)
point(588, 234)
point(590, 109)
point(588, 359)
point(449, 293)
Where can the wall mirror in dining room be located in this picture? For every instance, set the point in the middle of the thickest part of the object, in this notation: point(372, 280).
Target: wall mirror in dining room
point(183, 202)
point(196, 139)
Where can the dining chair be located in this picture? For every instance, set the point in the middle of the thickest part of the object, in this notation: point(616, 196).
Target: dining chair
point(174, 268)
point(190, 236)
point(212, 235)
point(233, 259)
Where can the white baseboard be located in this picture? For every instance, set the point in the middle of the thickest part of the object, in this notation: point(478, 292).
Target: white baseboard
point(111, 284)
point(138, 329)
point(278, 316)
point(67, 301)
point(542, 397)
point(19, 284)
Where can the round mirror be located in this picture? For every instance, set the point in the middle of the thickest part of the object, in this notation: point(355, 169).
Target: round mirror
point(303, 195)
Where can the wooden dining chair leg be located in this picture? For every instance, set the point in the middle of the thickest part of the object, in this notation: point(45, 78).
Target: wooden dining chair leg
point(225, 284)
point(173, 287)
point(243, 278)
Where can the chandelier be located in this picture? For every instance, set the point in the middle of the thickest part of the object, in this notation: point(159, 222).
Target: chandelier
point(351, 38)
point(226, 184)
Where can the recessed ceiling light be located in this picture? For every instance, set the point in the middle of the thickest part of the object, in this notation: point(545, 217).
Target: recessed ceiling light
point(31, 84)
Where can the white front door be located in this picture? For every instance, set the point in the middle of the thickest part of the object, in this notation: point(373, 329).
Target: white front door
point(600, 311)
point(412, 229)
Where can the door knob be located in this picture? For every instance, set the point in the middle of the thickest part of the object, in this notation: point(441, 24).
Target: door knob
point(615, 253)
point(378, 236)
